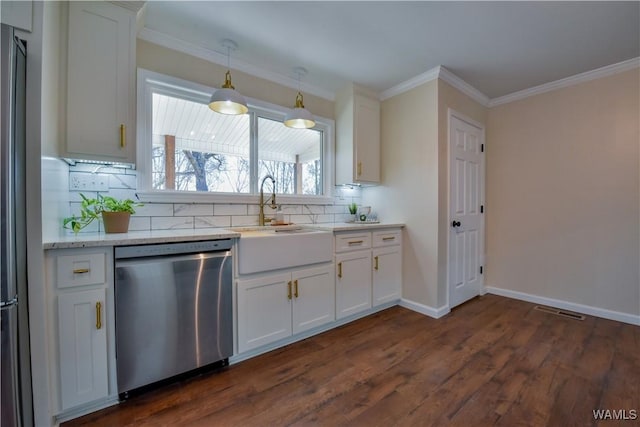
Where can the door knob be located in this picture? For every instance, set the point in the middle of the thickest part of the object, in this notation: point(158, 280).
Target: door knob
point(455, 224)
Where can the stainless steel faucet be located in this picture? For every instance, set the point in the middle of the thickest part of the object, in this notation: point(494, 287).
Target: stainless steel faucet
point(273, 205)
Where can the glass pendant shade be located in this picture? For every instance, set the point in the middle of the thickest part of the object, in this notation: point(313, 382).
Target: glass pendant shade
point(299, 117)
point(227, 100)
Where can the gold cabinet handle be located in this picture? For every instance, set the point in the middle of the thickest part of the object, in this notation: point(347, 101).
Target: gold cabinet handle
point(289, 289)
point(356, 242)
point(81, 270)
point(359, 168)
point(375, 267)
point(98, 315)
point(295, 288)
point(123, 136)
point(340, 270)
point(389, 238)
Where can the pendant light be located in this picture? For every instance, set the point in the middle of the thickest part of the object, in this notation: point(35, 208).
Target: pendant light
point(227, 100)
point(299, 117)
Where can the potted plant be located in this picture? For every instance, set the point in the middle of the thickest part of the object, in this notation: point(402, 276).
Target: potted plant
point(115, 214)
point(353, 209)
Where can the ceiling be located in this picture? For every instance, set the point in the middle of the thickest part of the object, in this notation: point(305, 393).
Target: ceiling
point(497, 47)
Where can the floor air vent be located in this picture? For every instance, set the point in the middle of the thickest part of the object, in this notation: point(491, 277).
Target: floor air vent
point(559, 312)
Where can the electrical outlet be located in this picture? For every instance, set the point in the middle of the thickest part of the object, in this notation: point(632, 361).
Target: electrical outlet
point(79, 181)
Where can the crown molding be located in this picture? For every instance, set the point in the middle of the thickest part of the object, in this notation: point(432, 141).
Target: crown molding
point(413, 82)
point(463, 86)
point(438, 72)
point(173, 43)
point(568, 81)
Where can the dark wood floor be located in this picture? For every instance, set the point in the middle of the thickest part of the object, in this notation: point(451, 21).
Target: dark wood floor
point(491, 361)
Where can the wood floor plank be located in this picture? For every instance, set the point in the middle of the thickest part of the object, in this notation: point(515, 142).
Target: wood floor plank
point(491, 361)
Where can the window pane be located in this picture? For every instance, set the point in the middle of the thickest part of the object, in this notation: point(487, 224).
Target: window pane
point(196, 149)
point(292, 156)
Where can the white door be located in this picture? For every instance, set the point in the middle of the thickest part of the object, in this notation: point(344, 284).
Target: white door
point(466, 198)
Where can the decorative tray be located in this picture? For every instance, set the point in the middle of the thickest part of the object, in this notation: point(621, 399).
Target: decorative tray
point(366, 221)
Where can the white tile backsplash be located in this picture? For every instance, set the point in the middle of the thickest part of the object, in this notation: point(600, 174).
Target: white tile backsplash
point(168, 216)
point(122, 181)
point(155, 209)
point(212, 221)
point(181, 209)
point(140, 223)
point(171, 222)
point(229, 209)
point(244, 220)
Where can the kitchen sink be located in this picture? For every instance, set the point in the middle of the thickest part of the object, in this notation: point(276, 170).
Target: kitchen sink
point(272, 248)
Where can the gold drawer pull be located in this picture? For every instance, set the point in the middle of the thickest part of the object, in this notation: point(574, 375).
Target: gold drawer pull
point(98, 315)
point(375, 267)
point(389, 238)
point(123, 136)
point(81, 270)
point(339, 270)
point(289, 289)
point(359, 168)
point(356, 242)
point(295, 288)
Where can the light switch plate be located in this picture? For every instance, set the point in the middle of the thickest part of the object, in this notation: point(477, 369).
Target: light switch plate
point(79, 181)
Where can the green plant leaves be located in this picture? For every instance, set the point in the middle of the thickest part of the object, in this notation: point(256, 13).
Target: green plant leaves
point(91, 209)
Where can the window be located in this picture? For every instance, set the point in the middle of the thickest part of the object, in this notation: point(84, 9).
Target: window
point(184, 148)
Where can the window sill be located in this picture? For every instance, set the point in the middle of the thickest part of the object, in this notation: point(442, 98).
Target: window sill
point(249, 199)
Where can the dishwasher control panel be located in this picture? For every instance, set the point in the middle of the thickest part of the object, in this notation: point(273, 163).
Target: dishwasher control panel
point(122, 252)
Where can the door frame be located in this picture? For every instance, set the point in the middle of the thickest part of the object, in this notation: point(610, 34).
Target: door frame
point(460, 116)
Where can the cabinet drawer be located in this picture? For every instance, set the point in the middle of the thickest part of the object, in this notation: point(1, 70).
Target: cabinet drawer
point(353, 241)
point(387, 238)
point(79, 270)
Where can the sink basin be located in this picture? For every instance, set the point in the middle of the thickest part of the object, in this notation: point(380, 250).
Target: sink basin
point(273, 248)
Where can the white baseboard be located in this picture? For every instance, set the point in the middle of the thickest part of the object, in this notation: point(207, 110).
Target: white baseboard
point(566, 305)
point(436, 313)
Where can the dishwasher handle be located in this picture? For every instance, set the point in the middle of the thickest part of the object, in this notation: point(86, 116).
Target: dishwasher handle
point(171, 249)
point(171, 258)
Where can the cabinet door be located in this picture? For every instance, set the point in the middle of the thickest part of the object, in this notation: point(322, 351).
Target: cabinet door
point(353, 283)
point(366, 139)
point(264, 311)
point(100, 82)
point(83, 347)
point(314, 298)
point(387, 274)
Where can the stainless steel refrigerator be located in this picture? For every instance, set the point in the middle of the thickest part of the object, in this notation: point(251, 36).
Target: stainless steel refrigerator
point(15, 372)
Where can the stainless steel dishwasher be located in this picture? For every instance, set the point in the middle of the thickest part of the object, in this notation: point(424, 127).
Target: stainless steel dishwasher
point(173, 310)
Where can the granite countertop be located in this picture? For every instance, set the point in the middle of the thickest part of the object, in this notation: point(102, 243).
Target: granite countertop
point(86, 240)
point(354, 226)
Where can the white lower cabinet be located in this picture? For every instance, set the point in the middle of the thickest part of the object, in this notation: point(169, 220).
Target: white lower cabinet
point(368, 270)
point(276, 306)
point(80, 317)
point(83, 347)
point(387, 274)
point(353, 283)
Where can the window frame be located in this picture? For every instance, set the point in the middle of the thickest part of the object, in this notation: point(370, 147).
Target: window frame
point(150, 82)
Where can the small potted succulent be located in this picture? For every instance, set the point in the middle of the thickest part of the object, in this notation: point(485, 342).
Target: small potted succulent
point(353, 210)
point(115, 214)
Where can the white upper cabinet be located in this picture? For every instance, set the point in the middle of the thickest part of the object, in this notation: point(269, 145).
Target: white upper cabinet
point(100, 113)
point(357, 137)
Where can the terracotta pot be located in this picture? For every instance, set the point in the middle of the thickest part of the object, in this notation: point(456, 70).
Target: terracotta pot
point(116, 222)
